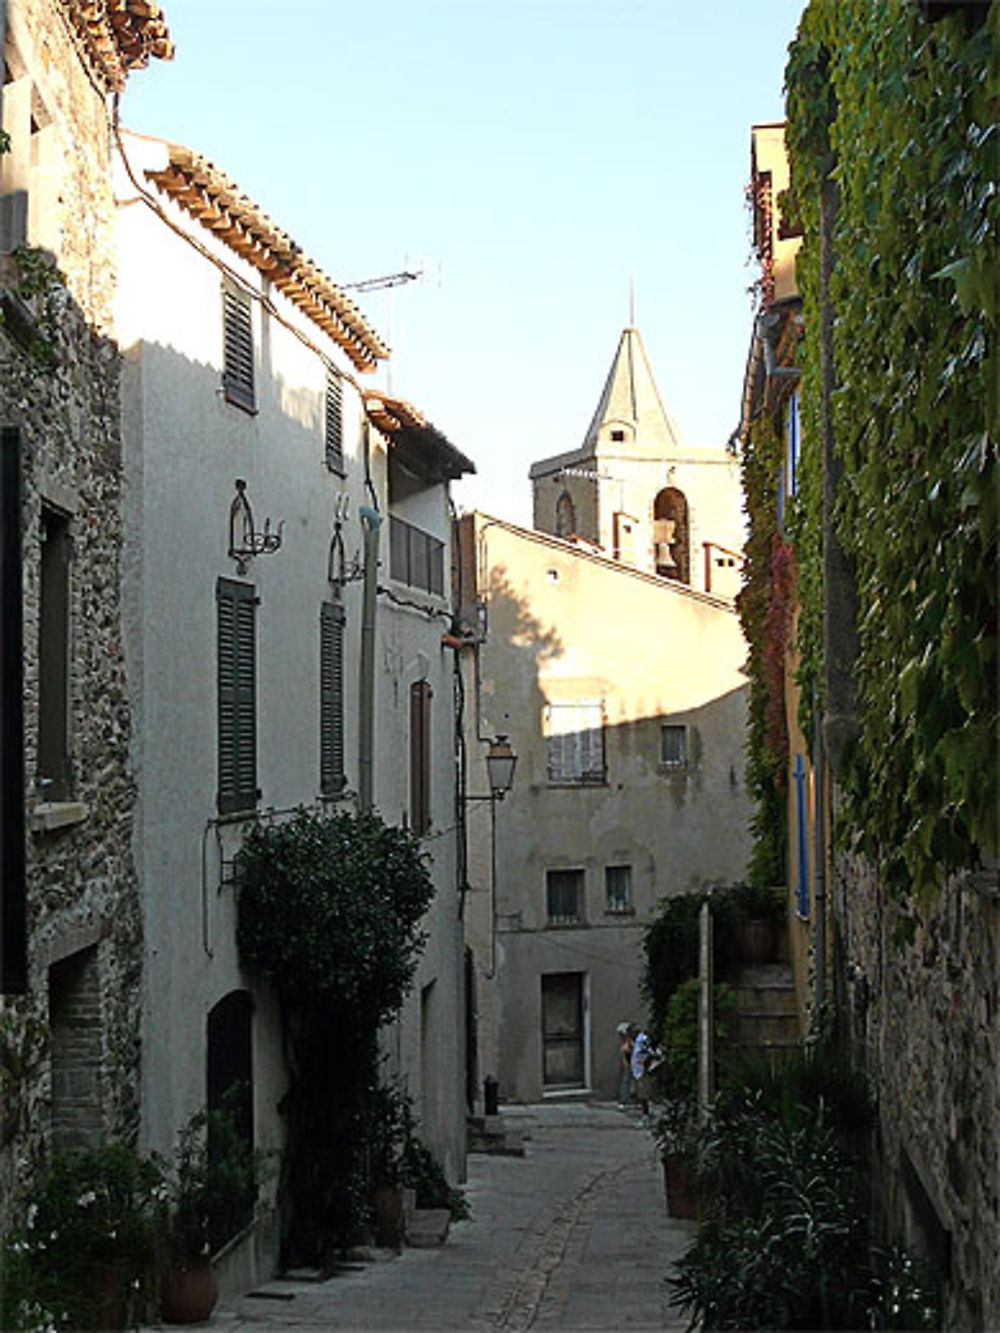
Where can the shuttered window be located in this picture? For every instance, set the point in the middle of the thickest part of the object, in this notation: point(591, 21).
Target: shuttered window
point(237, 609)
point(237, 360)
point(331, 698)
point(334, 423)
point(575, 742)
point(420, 756)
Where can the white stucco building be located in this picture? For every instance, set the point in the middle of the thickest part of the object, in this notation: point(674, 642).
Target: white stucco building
point(254, 460)
point(617, 676)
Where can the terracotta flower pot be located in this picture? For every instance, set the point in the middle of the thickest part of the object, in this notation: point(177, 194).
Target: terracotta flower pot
point(188, 1292)
point(681, 1198)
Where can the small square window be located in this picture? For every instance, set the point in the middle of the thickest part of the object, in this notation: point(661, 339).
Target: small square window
point(564, 896)
point(673, 746)
point(618, 888)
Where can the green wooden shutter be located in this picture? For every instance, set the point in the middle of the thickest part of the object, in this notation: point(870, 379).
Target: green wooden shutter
point(237, 373)
point(331, 686)
point(334, 423)
point(237, 679)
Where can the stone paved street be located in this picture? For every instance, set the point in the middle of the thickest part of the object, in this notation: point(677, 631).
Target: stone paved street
point(572, 1236)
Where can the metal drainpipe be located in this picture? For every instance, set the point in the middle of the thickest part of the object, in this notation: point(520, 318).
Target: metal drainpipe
point(371, 522)
point(819, 869)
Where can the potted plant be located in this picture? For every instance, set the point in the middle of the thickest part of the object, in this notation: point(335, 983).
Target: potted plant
point(86, 1252)
point(761, 912)
point(676, 1133)
point(214, 1179)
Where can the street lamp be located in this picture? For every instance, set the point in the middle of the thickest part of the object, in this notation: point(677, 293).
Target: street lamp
point(500, 764)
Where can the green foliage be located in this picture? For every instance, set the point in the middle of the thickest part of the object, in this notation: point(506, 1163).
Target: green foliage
point(88, 1246)
point(329, 908)
point(766, 738)
point(782, 1178)
point(903, 117)
point(213, 1182)
point(680, 1034)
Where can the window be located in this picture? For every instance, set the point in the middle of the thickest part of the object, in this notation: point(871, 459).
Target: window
point(237, 680)
point(334, 423)
point(416, 558)
point(53, 657)
point(420, 757)
point(564, 897)
point(575, 742)
point(673, 746)
point(237, 354)
point(331, 698)
point(618, 435)
point(618, 888)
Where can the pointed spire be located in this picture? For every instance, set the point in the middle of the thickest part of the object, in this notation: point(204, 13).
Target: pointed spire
point(632, 400)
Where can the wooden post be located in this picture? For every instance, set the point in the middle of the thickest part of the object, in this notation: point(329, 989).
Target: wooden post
point(706, 1014)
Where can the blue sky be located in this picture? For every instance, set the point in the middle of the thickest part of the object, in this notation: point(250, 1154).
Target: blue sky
point(536, 158)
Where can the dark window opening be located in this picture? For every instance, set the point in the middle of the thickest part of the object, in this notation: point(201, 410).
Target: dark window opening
point(673, 746)
point(416, 558)
point(618, 889)
point(13, 892)
point(565, 516)
point(53, 657)
point(564, 897)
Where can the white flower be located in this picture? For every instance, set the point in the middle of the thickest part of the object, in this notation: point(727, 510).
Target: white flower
point(32, 1214)
point(86, 1199)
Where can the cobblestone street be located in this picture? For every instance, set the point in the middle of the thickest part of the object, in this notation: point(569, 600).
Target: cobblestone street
point(574, 1235)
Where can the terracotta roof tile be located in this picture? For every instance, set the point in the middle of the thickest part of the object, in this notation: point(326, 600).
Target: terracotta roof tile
point(220, 206)
point(118, 36)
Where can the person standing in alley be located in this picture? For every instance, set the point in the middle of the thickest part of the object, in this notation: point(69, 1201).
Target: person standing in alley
point(642, 1049)
point(626, 1040)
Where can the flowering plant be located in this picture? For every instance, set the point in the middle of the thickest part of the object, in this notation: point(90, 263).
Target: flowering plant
point(85, 1255)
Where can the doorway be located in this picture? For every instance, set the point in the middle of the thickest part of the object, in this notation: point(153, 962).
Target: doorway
point(562, 1030)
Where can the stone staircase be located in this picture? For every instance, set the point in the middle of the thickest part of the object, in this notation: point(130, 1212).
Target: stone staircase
point(767, 1020)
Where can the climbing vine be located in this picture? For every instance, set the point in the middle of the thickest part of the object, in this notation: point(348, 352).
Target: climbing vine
point(902, 115)
point(766, 739)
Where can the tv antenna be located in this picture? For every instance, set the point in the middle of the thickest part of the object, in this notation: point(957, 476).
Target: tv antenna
point(385, 283)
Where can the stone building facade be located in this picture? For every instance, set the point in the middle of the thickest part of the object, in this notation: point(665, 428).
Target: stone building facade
point(72, 936)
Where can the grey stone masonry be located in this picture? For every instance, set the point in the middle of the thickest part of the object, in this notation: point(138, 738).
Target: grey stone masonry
point(59, 387)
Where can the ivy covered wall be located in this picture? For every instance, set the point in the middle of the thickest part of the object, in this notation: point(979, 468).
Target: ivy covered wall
point(898, 116)
point(893, 139)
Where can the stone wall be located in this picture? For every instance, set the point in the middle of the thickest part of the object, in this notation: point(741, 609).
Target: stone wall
point(59, 386)
point(922, 1015)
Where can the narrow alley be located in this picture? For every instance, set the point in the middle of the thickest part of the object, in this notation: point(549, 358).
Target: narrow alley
point(574, 1235)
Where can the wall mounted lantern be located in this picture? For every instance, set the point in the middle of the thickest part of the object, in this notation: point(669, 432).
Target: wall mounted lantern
point(245, 542)
point(501, 761)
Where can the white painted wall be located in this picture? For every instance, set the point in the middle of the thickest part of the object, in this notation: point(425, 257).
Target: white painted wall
point(185, 448)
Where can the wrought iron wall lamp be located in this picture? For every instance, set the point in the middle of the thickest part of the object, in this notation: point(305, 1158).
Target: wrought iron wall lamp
point(245, 542)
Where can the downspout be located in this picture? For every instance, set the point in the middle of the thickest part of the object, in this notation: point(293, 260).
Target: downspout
point(371, 523)
point(819, 871)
